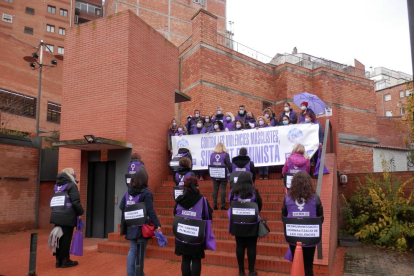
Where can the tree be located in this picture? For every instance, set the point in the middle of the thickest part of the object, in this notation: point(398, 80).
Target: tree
point(406, 124)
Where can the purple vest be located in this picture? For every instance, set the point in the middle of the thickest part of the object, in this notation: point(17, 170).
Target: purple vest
point(171, 132)
point(217, 159)
point(236, 169)
point(180, 178)
point(228, 125)
point(301, 210)
point(294, 169)
point(130, 200)
point(194, 130)
point(239, 199)
point(195, 212)
point(61, 200)
point(241, 118)
point(178, 133)
point(182, 154)
point(209, 128)
point(133, 167)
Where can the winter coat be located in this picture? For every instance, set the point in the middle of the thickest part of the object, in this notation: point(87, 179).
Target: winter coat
point(189, 156)
point(241, 161)
point(229, 125)
point(132, 233)
point(68, 217)
point(218, 117)
point(196, 130)
point(297, 160)
point(188, 201)
point(292, 115)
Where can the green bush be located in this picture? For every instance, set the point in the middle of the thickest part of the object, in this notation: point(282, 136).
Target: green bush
point(380, 213)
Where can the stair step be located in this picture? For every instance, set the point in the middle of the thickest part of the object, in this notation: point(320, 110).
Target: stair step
point(265, 197)
point(209, 189)
point(209, 183)
point(267, 263)
point(267, 215)
point(275, 206)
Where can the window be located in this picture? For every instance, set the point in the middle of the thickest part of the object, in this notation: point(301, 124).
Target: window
point(28, 30)
point(50, 48)
point(50, 28)
point(10, 1)
point(62, 31)
point(266, 105)
point(387, 97)
point(89, 8)
point(401, 94)
point(402, 111)
point(388, 113)
point(53, 112)
point(408, 92)
point(380, 85)
point(61, 50)
point(200, 2)
point(51, 9)
point(18, 104)
point(29, 11)
point(7, 18)
point(63, 12)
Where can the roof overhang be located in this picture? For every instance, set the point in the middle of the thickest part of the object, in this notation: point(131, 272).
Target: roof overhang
point(99, 144)
point(181, 97)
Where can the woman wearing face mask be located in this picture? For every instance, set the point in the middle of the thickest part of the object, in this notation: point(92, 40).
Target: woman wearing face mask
point(171, 132)
point(181, 130)
point(310, 118)
point(228, 123)
point(208, 124)
point(268, 113)
point(304, 109)
point(261, 123)
point(250, 120)
point(217, 127)
point(198, 128)
point(219, 116)
point(238, 125)
point(293, 117)
point(285, 120)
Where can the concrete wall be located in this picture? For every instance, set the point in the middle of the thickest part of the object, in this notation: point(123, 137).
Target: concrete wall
point(399, 156)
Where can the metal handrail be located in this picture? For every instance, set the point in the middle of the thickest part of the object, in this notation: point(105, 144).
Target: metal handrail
point(328, 132)
point(184, 45)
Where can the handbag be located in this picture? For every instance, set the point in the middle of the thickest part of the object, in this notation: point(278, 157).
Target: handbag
point(325, 170)
point(263, 229)
point(148, 230)
point(210, 239)
point(77, 242)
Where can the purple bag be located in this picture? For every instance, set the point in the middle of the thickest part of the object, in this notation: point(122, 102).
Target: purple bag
point(288, 255)
point(77, 242)
point(325, 170)
point(210, 240)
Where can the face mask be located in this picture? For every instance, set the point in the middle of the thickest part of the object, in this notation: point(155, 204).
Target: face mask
point(216, 126)
point(197, 115)
point(307, 120)
point(251, 124)
point(199, 125)
point(303, 107)
point(266, 115)
point(285, 122)
point(238, 126)
point(207, 120)
point(189, 119)
point(218, 112)
point(174, 124)
point(180, 129)
point(261, 123)
point(241, 112)
point(228, 118)
point(286, 109)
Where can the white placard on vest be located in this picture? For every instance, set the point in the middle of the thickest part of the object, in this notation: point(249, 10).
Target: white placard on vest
point(289, 181)
point(136, 214)
point(235, 179)
point(188, 230)
point(57, 201)
point(177, 193)
point(302, 230)
point(128, 180)
point(188, 213)
point(216, 172)
point(174, 163)
point(243, 211)
point(300, 214)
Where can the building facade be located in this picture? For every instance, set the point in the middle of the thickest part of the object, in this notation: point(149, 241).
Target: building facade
point(391, 100)
point(385, 78)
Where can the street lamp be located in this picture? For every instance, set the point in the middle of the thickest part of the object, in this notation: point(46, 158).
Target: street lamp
point(36, 62)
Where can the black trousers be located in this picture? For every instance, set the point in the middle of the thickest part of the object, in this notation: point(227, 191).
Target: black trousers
point(308, 254)
point(241, 244)
point(190, 266)
point(64, 242)
point(222, 185)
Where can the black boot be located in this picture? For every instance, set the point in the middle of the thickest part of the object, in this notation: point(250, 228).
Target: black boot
point(215, 207)
point(58, 262)
point(68, 263)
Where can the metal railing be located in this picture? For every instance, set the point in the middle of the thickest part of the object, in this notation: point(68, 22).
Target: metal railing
point(89, 8)
point(328, 132)
point(242, 49)
point(185, 45)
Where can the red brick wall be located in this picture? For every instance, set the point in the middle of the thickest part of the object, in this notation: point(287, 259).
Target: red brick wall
point(46, 193)
point(17, 198)
point(354, 159)
point(395, 103)
point(391, 132)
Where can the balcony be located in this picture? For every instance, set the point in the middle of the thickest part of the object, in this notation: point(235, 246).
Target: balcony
point(85, 12)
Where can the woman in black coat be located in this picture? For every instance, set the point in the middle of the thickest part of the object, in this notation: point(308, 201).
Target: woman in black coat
point(139, 185)
point(66, 217)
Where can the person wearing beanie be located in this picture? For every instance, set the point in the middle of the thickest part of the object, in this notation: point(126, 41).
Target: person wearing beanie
point(304, 109)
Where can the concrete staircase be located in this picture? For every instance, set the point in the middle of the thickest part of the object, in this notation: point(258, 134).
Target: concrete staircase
point(270, 250)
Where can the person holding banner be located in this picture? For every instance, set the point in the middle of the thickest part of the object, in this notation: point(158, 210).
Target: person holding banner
point(268, 113)
point(183, 171)
point(304, 109)
point(285, 121)
point(228, 123)
point(219, 116)
point(220, 158)
point(239, 125)
point(242, 114)
point(133, 218)
point(208, 124)
point(289, 112)
point(191, 206)
point(192, 121)
point(310, 118)
point(262, 122)
point(297, 161)
point(171, 132)
point(246, 205)
point(250, 120)
point(181, 130)
point(198, 128)
point(217, 127)
point(303, 202)
point(242, 163)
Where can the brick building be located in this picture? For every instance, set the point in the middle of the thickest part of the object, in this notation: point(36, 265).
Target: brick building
point(391, 100)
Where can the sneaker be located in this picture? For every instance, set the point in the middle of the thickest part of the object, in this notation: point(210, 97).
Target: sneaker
point(254, 273)
point(224, 208)
point(215, 207)
point(68, 263)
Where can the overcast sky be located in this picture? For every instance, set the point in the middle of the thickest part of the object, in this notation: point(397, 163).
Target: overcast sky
point(375, 32)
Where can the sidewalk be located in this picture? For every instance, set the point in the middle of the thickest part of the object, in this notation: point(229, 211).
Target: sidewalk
point(14, 260)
